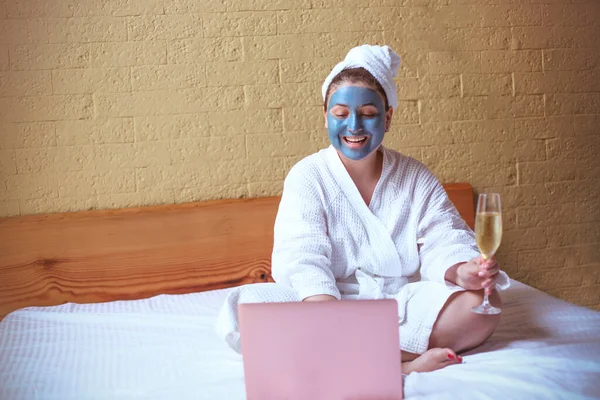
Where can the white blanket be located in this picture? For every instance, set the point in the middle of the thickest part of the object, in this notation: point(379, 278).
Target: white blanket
point(166, 348)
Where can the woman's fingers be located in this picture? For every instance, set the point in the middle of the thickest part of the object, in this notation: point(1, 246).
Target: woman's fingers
point(489, 272)
point(489, 282)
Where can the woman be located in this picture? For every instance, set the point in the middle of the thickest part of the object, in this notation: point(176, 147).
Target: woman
point(360, 221)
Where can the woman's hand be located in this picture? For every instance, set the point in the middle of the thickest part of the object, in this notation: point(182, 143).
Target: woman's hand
point(320, 297)
point(477, 274)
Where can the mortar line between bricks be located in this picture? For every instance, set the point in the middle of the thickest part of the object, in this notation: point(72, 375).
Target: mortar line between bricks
point(246, 146)
point(545, 105)
point(131, 83)
point(543, 64)
point(47, 29)
point(514, 88)
point(280, 72)
point(167, 54)
point(52, 82)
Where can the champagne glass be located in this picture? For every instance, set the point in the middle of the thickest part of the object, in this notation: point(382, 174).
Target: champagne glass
point(488, 234)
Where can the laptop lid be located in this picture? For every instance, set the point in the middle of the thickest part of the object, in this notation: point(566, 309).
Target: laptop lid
point(321, 350)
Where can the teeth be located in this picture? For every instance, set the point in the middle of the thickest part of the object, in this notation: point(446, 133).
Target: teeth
point(356, 140)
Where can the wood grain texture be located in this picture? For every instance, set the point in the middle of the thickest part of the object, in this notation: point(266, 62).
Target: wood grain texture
point(97, 256)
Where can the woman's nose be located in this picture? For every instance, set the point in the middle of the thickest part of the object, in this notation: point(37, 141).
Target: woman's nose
point(355, 123)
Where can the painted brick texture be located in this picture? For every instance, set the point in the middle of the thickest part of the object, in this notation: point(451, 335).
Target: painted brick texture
point(107, 104)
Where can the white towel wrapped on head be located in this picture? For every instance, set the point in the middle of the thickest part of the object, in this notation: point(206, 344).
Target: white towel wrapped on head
point(381, 61)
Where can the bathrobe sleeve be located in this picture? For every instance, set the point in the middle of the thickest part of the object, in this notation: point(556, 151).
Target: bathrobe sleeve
point(443, 236)
point(302, 248)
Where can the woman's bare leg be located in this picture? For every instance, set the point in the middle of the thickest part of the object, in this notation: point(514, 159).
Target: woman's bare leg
point(406, 356)
point(456, 329)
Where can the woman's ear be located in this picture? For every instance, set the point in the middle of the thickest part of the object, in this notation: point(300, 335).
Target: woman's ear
point(325, 116)
point(388, 118)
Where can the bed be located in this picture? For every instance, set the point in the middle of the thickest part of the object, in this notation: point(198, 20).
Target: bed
point(121, 304)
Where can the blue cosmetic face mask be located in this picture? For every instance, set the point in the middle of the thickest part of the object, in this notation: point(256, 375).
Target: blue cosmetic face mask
point(356, 135)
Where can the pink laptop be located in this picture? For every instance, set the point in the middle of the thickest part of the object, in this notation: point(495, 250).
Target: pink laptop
point(329, 350)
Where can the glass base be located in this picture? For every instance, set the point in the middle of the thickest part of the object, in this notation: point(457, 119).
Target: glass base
point(486, 309)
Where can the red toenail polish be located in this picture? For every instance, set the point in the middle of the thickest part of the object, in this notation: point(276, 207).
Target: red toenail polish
point(460, 358)
point(450, 356)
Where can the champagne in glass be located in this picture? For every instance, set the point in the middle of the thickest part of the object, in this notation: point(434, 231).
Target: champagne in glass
point(488, 235)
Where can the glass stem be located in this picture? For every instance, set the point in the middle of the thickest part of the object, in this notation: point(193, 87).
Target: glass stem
point(486, 301)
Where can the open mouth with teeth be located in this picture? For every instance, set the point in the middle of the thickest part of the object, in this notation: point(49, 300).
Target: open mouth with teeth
point(355, 142)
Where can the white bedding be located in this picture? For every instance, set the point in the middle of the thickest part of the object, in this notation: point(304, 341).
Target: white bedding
point(166, 348)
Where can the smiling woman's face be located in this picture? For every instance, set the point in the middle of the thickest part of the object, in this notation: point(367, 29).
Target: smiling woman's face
point(356, 120)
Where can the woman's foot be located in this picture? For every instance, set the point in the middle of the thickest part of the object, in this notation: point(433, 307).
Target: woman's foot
point(431, 360)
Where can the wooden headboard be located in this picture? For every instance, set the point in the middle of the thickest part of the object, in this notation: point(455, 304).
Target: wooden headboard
point(96, 256)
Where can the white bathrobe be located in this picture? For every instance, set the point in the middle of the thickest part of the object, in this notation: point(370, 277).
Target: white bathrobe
point(329, 241)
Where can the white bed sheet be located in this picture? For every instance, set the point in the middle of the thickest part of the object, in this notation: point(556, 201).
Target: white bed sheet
point(165, 347)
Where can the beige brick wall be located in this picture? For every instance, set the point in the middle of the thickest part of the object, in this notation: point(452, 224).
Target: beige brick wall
point(117, 103)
